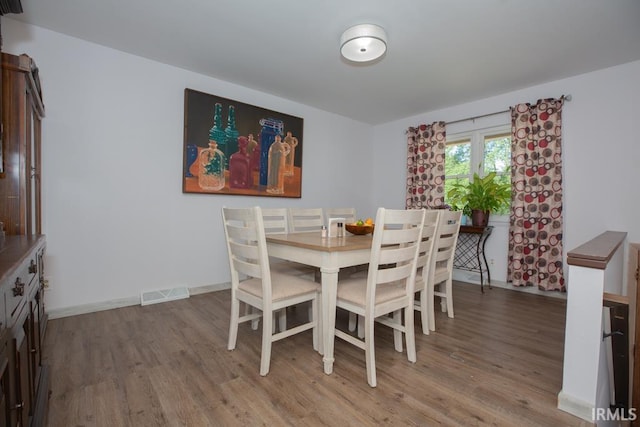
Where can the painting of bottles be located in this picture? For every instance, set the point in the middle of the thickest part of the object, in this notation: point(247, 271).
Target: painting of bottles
point(235, 148)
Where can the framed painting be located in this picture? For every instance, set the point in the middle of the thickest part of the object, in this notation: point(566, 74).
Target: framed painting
point(235, 148)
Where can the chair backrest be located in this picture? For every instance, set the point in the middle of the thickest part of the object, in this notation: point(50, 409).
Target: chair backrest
point(349, 214)
point(427, 243)
point(446, 239)
point(247, 246)
point(394, 250)
point(275, 220)
point(303, 220)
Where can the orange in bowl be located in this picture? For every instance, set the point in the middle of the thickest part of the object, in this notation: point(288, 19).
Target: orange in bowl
point(359, 229)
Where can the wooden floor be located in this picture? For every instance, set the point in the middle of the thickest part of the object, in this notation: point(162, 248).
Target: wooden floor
point(499, 362)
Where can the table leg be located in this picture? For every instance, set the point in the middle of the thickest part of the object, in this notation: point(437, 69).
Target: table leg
point(329, 291)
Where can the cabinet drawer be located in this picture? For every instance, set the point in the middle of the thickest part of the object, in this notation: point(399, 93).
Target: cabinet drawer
point(18, 288)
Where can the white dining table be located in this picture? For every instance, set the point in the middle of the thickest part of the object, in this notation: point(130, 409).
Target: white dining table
point(330, 254)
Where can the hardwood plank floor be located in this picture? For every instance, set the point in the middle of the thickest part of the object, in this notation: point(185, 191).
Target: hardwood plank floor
point(499, 362)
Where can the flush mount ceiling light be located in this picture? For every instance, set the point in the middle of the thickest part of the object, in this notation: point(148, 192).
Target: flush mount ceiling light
point(363, 43)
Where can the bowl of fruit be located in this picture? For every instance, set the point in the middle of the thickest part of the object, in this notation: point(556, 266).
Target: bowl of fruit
point(360, 227)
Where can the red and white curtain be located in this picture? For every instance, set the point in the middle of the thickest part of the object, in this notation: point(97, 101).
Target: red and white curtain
point(535, 230)
point(425, 166)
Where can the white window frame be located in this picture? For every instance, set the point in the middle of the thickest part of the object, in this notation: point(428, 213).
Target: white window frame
point(477, 138)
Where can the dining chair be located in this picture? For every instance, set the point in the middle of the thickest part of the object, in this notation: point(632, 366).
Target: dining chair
point(441, 274)
point(276, 222)
point(424, 265)
point(349, 214)
point(389, 285)
point(266, 291)
point(304, 220)
point(423, 268)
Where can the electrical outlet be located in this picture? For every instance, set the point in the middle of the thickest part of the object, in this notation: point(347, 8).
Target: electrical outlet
point(45, 282)
point(491, 261)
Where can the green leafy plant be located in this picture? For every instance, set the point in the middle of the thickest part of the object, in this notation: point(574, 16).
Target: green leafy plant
point(484, 194)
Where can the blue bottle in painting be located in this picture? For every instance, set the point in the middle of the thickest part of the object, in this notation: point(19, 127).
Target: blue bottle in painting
point(270, 128)
point(231, 132)
point(216, 133)
point(192, 155)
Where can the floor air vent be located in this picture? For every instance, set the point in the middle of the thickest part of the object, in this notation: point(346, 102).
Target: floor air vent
point(155, 297)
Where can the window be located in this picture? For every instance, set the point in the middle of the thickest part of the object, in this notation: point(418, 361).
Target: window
point(481, 152)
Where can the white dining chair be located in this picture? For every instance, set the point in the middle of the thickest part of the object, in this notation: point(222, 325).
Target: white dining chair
point(423, 269)
point(389, 285)
point(266, 291)
point(276, 222)
point(440, 282)
point(424, 265)
point(349, 214)
point(305, 219)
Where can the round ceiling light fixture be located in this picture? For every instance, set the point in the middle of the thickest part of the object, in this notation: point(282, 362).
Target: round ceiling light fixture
point(363, 43)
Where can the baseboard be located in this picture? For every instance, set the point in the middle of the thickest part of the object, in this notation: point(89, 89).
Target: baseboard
point(94, 307)
point(209, 288)
point(123, 302)
point(474, 279)
point(575, 406)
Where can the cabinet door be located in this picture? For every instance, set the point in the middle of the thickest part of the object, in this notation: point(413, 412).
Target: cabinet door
point(27, 375)
point(35, 342)
point(5, 391)
point(33, 150)
point(21, 398)
point(41, 315)
point(22, 111)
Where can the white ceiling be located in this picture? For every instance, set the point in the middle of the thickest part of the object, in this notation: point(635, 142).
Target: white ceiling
point(440, 52)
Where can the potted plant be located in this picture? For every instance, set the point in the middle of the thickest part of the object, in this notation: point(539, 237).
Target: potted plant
point(479, 197)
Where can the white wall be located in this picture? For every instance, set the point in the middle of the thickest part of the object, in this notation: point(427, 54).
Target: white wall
point(601, 148)
point(114, 213)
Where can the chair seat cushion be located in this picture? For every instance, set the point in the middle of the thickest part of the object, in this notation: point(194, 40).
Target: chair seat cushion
point(354, 291)
point(283, 286)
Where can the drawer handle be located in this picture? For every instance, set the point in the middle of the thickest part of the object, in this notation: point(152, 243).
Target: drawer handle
point(33, 267)
point(18, 290)
point(19, 405)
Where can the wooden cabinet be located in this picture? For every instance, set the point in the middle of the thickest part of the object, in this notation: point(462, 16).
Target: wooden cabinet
point(24, 380)
point(22, 113)
point(24, 387)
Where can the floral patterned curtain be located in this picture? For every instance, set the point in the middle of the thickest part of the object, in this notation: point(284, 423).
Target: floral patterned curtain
point(425, 166)
point(535, 230)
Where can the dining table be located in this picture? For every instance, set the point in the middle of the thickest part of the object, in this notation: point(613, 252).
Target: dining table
point(330, 254)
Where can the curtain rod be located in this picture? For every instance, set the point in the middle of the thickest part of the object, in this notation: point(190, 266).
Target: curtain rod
point(563, 97)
